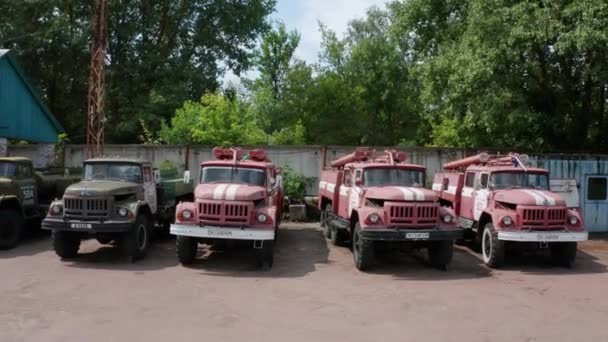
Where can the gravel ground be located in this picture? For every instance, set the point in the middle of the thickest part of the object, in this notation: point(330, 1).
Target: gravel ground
point(313, 293)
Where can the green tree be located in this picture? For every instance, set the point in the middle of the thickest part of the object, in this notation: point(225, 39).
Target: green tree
point(215, 120)
point(160, 54)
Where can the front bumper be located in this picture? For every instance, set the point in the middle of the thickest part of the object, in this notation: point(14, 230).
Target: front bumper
point(411, 234)
point(541, 236)
point(213, 232)
point(86, 226)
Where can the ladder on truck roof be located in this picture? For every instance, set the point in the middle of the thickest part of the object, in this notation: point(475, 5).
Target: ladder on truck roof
point(364, 154)
point(513, 159)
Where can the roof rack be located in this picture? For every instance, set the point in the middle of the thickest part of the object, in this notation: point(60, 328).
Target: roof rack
point(512, 159)
point(364, 154)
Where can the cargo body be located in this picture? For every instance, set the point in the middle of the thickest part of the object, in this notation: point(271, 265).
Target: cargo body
point(25, 197)
point(377, 200)
point(239, 198)
point(502, 203)
point(118, 200)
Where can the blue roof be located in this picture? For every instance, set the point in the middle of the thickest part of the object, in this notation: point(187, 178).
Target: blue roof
point(23, 114)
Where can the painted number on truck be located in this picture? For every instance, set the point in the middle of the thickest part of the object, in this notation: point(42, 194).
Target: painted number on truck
point(28, 195)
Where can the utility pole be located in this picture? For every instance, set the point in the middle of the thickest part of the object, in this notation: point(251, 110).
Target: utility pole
point(95, 105)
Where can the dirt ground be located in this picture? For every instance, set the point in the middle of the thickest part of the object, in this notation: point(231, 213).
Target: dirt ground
point(313, 293)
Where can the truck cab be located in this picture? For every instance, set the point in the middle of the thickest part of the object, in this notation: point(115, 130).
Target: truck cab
point(116, 200)
point(239, 197)
point(25, 196)
point(499, 201)
point(372, 199)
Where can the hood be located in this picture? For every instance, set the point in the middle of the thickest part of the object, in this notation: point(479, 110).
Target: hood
point(101, 188)
point(229, 192)
point(400, 193)
point(529, 197)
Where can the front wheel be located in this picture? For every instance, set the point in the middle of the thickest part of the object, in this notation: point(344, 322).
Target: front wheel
point(11, 228)
point(265, 255)
point(493, 250)
point(363, 250)
point(563, 253)
point(187, 247)
point(440, 254)
point(65, 244)
point(136, 242)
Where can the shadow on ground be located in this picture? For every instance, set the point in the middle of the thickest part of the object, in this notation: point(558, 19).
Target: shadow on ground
point(34, 241)
point(298, 251)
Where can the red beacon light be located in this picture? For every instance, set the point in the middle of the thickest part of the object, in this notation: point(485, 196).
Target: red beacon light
point(258, 155)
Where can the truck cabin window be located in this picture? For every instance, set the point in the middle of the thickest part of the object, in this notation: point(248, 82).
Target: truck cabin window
point(391, 176)
point(237, 175)
point(511, 180)
point(7, 170)
point(113, 171)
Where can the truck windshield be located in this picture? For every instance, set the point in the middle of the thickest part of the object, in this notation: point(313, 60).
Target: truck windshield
point(392, 176)
point(233, 175)
point(509, 180)
point(113, 171)
point(7, 170)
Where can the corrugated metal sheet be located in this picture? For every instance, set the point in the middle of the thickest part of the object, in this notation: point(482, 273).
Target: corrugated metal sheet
point(582, 169)
point(23, 115)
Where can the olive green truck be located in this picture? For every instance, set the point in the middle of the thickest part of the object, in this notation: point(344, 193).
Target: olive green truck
point(117, 200)
point(25, 196)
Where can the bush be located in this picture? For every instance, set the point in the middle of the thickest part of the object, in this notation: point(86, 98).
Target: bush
point(294, 184)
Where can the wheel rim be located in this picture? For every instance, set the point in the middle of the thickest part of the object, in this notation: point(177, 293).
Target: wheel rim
point(142, 237)
point(486, 245)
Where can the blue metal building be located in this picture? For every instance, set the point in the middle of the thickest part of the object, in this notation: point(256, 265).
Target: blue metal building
point(23, 114)
point(591, 175)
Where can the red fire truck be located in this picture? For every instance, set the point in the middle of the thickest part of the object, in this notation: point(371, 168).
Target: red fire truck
point(501, 203)
point(238, 198)
point(374, 199)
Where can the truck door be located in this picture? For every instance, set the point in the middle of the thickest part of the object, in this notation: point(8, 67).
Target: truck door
point(355, 192)
point(27, 189)
point(595, 204)
point(466, 205)
point(150, 189)
point(344, 206)
point(480, 195)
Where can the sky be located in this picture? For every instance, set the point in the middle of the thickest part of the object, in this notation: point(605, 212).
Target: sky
point(304, 15)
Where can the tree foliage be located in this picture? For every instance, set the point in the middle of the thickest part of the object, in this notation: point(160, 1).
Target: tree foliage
point(160, 54)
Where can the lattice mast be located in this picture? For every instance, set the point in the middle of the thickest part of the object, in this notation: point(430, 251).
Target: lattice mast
point(95, 100)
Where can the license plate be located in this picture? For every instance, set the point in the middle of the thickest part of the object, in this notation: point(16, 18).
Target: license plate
point(419, 236)
point(81, 225)
point(219, 232)
point(547, 237)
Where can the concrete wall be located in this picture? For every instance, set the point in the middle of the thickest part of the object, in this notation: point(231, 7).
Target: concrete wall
point(3, 147)
point(42, 155)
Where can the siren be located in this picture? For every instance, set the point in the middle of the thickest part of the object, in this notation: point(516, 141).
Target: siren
point(258, 155)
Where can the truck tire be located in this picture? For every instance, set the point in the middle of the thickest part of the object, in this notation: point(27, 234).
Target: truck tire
point(325, 219)
point(65, 244)
point(265, 255)
point(186, 248)
point(440, 254)
point(11, 228)
point(563, 253)
point(363, 250)
point(136, 242)
point(492, 249)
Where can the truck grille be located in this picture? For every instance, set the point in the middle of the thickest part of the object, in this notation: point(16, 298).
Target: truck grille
point(416, 215)
point(225, 212)
point(543, 217)
point(86, 207)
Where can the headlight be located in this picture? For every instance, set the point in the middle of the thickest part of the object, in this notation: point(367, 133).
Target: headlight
point(187, 214)
point(374, 218)
point(507, 220)
point(262, 218)
point(573, 220)
point(123, 212)
point(56, 209)
point(447, 218)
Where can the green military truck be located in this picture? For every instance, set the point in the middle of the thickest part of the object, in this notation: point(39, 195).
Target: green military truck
point(118, 200)
point(25, 196)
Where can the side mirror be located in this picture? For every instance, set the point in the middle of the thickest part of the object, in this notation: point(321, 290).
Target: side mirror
point(272, 181)
point(186, 176)
point(358, 181)
point(156, 176)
